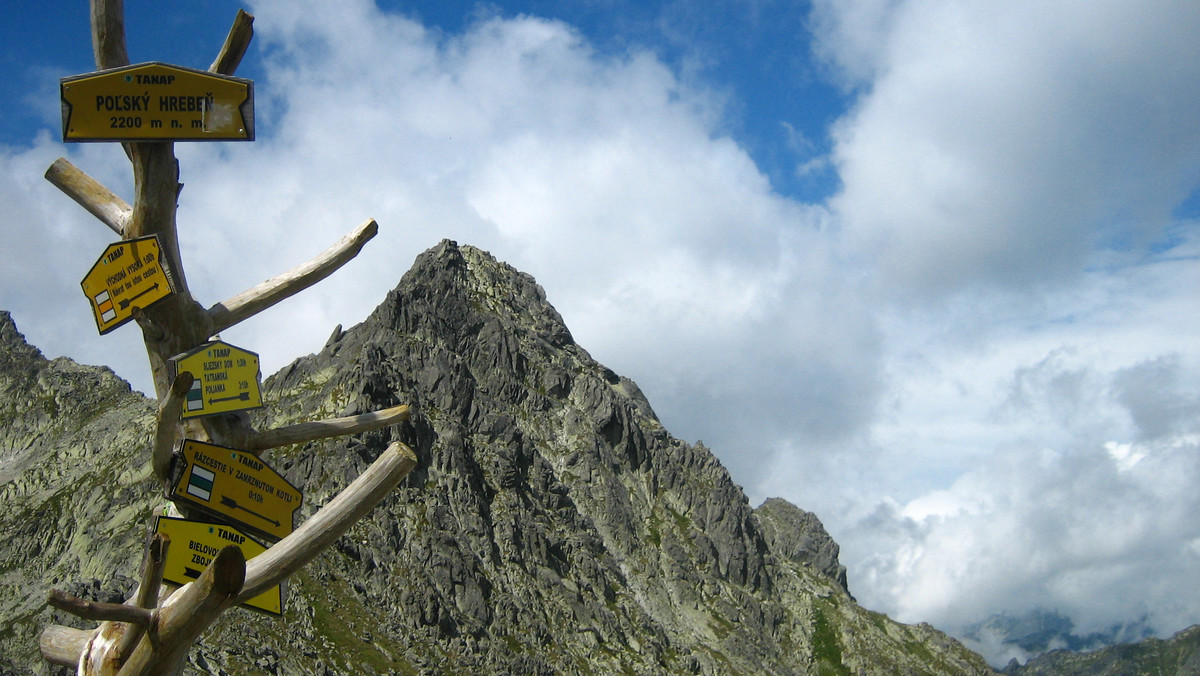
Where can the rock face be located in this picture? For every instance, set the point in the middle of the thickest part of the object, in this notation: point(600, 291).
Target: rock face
point(799, 536)
point(74, 483)
point(552, 526)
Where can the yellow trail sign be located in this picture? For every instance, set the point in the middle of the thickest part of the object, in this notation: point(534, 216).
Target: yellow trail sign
point(194, 544)
point(227, 379)
point(237, 486)
point(128, 274)
point(156, 101)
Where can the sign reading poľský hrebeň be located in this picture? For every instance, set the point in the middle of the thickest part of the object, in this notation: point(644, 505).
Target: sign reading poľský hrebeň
point(156, 102)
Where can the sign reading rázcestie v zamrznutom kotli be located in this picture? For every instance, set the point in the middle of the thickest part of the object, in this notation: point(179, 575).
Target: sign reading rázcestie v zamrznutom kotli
point(238, 486)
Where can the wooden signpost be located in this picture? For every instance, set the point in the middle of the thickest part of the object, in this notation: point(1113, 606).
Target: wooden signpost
point(215, 476)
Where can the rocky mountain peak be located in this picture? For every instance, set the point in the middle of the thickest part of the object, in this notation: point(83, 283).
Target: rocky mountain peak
point(552, 526)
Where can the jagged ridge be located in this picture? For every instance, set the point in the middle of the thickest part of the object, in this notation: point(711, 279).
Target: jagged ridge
point(552, 526)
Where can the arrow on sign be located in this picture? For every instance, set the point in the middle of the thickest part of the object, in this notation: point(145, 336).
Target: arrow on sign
point(244, 396)
point(191, 572)
point(125, 303)
point(231, 503)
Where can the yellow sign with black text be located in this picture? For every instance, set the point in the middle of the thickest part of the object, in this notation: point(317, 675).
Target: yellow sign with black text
point(236, 485)
point(194, 544)
point(227, 379)
point(156, 101)
point(128, 274)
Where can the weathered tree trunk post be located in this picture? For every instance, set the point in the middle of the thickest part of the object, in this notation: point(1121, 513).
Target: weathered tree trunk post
point(150, 634)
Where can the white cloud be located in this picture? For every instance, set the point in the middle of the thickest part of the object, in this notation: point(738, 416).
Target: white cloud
point(999, 143)
point(1080, 530)
point(1042, 463)
point(1009, 173)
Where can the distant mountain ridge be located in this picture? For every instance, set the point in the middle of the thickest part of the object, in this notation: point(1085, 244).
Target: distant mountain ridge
point(1179, 655)
point(552, 526)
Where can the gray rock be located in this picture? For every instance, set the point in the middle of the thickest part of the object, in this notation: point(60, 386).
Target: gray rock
point(552, 524)
point(1176, 656)
point(799, 536)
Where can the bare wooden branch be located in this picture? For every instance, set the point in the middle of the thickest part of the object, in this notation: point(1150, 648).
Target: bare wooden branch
point(187, 613)
point(323, 429)
point(291, 553)
point(152, 571)
point(168, 431)
point(150, 330)
point(252, 301)
point(146, 595)
point(236, 44)
point(90, 194)
point(96, 610)
point(108, 33)
point(63, 645)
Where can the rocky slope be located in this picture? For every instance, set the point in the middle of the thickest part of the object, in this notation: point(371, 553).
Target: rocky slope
point(552, 526)
point(1176, 656)
point(74, 482)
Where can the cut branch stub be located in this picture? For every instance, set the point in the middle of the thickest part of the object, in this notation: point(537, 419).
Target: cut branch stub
point(252, 301)
point(168, 430)
point(236, 44)
point(90, 194)
point(147, 593)
point(95, 610)
point(324, 429)
point(108, 33)
point(63, 646)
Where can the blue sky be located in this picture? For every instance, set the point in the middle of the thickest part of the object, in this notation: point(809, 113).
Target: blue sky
point(780, 103)
point(936, 261)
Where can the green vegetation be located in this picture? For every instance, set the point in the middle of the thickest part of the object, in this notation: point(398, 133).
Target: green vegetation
point(722, 627)
point(827, 647)
point(339, 618)
point(683, 523)
point(921, 652)
point(655, 529)
point(514, 646)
